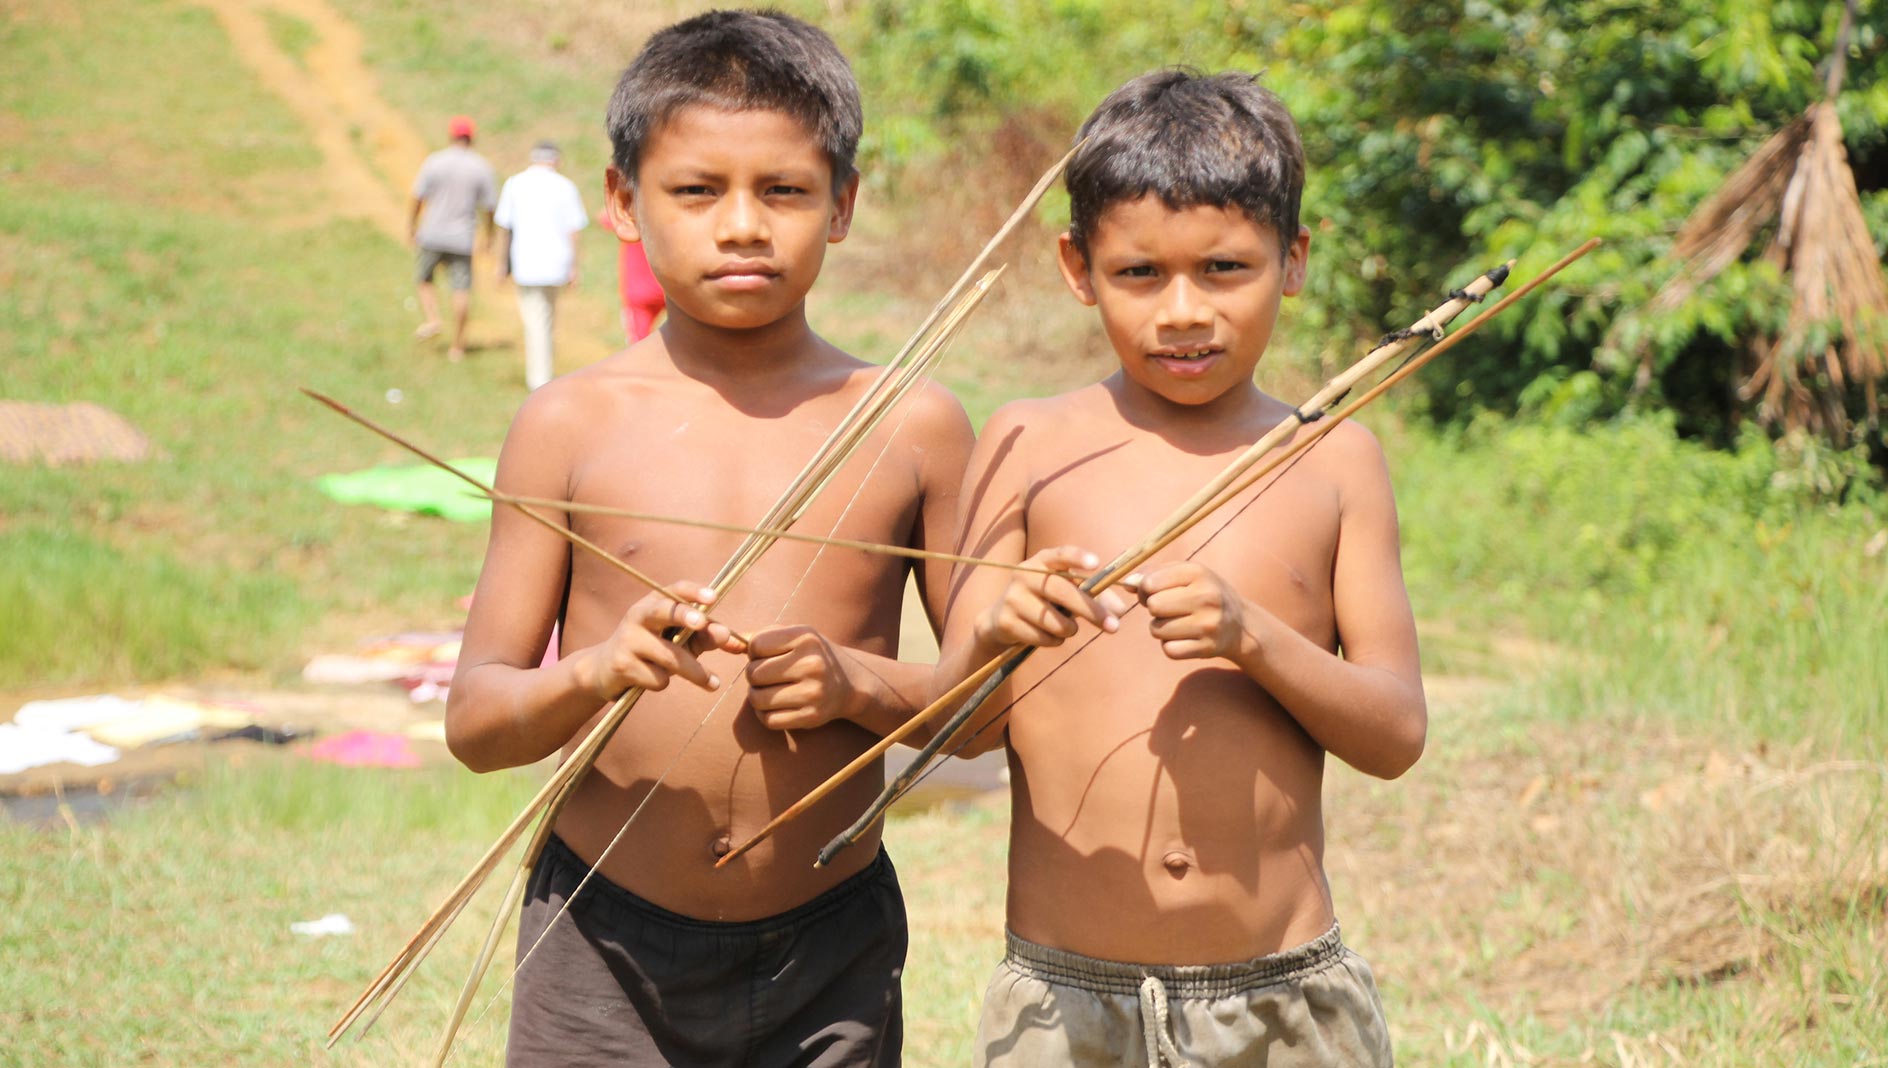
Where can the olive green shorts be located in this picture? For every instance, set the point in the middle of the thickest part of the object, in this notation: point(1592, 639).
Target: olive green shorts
point(1314, 1006)
point(458, 267)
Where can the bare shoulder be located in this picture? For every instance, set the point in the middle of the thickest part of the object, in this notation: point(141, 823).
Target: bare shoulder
point(1352, 442)
point(1354, 462)
point(557, 420)
point(554, 411)
point(1044, 414)
point(936, 414)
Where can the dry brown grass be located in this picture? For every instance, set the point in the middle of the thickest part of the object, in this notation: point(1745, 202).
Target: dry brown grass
point(1565, 880)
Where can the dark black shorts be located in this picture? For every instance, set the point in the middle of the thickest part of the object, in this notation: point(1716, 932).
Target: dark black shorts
point(620, 981)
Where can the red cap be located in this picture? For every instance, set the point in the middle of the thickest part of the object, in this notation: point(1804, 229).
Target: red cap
point(459, 126)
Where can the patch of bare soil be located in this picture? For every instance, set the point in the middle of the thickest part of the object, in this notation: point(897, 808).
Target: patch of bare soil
point(56, 434)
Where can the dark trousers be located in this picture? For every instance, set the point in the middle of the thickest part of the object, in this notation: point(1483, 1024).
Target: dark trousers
point(619, 981)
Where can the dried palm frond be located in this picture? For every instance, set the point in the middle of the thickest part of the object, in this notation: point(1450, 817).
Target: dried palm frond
point(1838, 323)
point(1836, 335)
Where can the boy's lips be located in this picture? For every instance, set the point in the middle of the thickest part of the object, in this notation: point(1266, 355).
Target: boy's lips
point(743, 274)
point(1186, 361)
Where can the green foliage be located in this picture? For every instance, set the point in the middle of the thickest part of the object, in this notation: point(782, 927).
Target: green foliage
point(1442, 139)
point(940, 79)
point(1448, 136)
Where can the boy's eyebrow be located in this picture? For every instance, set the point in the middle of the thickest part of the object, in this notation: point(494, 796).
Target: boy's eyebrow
point(687, 174)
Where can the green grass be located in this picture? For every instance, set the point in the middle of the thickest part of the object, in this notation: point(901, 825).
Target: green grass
point(162, 252)
point(292, 35)
point(1739, 922)
point(1674, 584)
point(163, 937)
point(184, 286)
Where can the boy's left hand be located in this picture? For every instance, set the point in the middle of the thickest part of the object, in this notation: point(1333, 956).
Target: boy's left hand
point(797, 679)
point(1196, 614)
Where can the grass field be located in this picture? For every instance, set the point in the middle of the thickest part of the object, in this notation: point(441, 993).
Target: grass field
point(1605, 897)
point(1649, 829)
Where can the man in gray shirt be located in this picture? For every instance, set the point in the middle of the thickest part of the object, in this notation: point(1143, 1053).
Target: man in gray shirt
point(456, 188)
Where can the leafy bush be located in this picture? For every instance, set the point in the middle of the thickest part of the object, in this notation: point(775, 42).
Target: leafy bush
point(1443, 138)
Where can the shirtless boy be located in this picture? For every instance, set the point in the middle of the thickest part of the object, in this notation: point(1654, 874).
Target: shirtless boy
point(733, 137)
point(1167, 896)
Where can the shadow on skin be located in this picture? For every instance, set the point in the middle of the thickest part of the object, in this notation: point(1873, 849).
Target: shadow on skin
point(1190, 753)
point(1213, 742)
point(1201, 747)
point(1010, 519)
point(670, 813)
point(1117, 873)
point(777, 403)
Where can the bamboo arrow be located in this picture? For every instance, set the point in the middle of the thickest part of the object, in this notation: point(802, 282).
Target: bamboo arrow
point(910, 366)
point(993, 674)
point(1240, 474)
point(873, 547)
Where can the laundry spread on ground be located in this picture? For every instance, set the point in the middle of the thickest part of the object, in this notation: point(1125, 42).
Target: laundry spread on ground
point(419, 488)
point(422, 662)
point(91, 731)
point(366, 749)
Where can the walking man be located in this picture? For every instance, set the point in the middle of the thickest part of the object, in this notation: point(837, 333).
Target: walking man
point(539, 214)
point(456, 189)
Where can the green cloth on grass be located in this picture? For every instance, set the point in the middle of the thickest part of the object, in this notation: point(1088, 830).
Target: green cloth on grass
point(419, 488)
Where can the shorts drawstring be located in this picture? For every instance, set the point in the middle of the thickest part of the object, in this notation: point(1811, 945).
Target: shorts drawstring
point(1156, 1027)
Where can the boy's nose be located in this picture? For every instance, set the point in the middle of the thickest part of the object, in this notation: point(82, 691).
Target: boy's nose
point(1183, 306)
point(741, 221)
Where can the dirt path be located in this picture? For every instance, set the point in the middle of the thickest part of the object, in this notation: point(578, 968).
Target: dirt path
point(370, 150)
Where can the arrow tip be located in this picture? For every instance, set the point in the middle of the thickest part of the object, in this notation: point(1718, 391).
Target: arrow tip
point(324, 398)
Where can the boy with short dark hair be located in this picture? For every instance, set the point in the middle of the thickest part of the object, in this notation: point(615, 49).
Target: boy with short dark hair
point(1167, 897)
point(733, 137)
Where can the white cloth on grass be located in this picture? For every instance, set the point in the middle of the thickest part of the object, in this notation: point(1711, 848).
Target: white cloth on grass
point(30, 747)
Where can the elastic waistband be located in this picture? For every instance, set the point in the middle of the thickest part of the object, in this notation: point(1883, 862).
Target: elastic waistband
point(1181, 980)
point(567, 863)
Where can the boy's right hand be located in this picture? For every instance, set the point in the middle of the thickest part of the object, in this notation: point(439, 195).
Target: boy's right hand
point(638, 655)
point(1044, 610)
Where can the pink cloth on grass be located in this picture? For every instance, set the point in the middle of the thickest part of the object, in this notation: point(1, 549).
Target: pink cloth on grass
point(366, 749)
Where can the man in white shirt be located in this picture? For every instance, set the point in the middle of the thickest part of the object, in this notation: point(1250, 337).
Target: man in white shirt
point(539, 214)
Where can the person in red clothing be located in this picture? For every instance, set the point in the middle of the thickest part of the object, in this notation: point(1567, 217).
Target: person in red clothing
point(641, 293)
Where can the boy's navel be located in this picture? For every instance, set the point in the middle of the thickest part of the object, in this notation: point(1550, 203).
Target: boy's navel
point(1177, 862)
point(720, 846)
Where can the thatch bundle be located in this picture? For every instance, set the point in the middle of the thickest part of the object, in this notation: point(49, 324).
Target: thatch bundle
point(1836, 336)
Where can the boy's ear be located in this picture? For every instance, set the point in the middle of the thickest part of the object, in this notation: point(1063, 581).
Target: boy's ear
point(1296, 256)
point(841, 222)
point(1074, 269)
point(620, 202)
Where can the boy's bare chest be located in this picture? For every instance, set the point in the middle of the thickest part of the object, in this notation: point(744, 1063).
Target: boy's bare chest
point(723, 467)
point(1276, 542)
